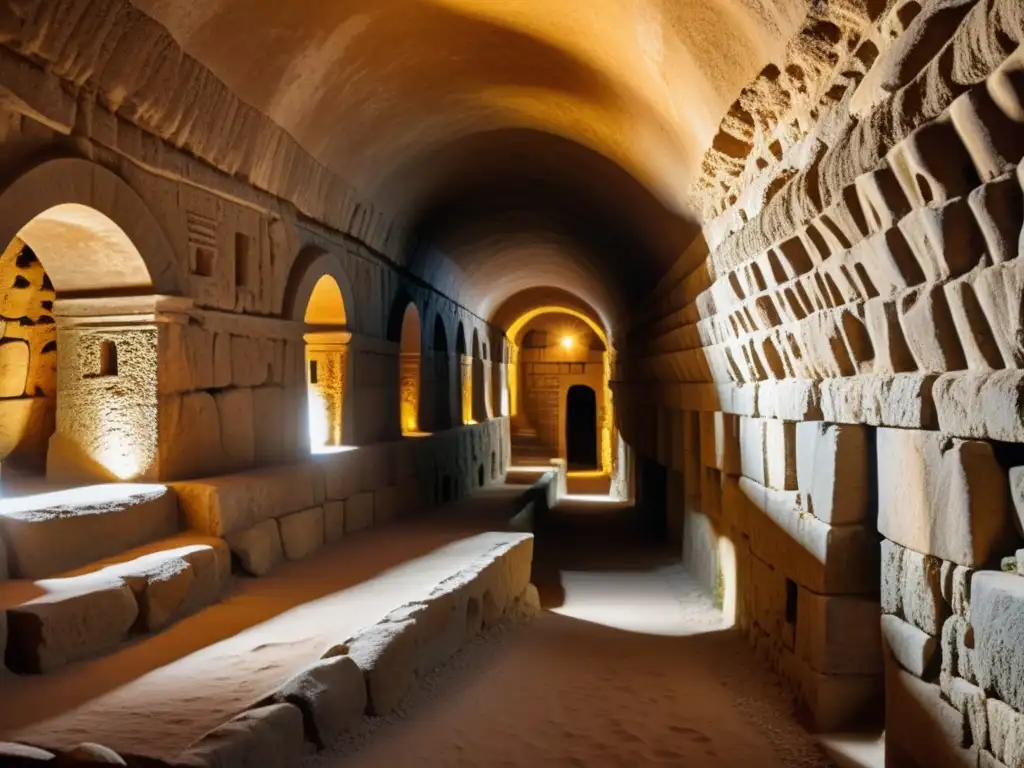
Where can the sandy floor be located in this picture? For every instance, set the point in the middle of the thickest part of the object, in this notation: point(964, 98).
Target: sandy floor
point(629, 666)
point(158, 695)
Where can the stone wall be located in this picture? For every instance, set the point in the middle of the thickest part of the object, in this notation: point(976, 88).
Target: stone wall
point(832, 374)
point(234, 239)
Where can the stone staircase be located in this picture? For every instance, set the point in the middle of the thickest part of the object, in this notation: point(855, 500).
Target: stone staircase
point(91, 567)
point(528, 450)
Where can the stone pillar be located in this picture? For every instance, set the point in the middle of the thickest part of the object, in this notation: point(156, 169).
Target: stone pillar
point(409, 391)
point(108, 350)
point(326, 361)
point(466, 389)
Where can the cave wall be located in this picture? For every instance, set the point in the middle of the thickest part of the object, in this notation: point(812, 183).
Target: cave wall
point(836, 388)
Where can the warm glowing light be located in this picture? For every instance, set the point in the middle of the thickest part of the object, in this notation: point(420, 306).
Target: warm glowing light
point(319, 420)
point(568, 341)
point(321, 449)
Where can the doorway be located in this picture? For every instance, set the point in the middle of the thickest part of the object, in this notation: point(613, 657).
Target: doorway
point(581, 428)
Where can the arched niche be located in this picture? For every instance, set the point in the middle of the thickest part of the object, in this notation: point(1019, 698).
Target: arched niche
point(405, 329)
point(319, 295)
point(465, 363)
point(478, 404)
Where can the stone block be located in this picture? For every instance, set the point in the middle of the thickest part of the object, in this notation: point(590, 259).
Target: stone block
point(221, 360)
point(780, 455)
point(191, 349)
point(970, 701)
point(944, 497)
point(903, 400)
point(892, 355)
point(14, 363)
point(387, 654)
point(958, 653)
point(90, 754)
point(249, 366)
point(752, 453)
point(1005, 732)
point(218, 506)
point(258, 549)
point(929, 330)
point(981, 405)
point(997, 619)
point(78, 619)
point(913, 649)
point(892, 578)
point(235, 411)
point(923, 605)
point(998, 289)
point(719, 441)
point(59, 532)
point(945, 239)
point(359, 512)
point(921, 726)
point(271, 736)
point(838, 635)
point(334, 521)
point(331, 695)
point(997, 210)
point(302, 533)
point(832, 471)
point(190, 436)
point(823, 558)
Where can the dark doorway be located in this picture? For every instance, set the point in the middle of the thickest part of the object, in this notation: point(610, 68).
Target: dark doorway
point(652, 496)
point(581, 428)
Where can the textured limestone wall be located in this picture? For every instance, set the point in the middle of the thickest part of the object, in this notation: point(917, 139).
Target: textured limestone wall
point(217, 224)
point(833, 374)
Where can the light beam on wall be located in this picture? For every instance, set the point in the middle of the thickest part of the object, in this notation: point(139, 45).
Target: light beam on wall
point(568, 342)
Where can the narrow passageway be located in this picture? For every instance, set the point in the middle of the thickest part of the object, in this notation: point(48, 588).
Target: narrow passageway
point(630, 664)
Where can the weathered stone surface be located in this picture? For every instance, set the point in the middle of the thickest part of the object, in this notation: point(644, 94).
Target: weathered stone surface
point(970, 701)
point(259, 548)
point(921, 585)
point(943, 497)
point(80, 618)
point(359, 512)
point(331, 695)
point(266, 737)
point(903, 400)
point(838, 635)
point(958, 653)
point(981, 405)
point(334, 521)
point(387, 655)
point(302, 533)
point(913, 649)
point(1005, 732)
point(997, 617)
point(832, 471)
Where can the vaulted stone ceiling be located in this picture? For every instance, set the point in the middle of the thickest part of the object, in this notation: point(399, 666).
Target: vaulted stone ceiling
point(593, 114)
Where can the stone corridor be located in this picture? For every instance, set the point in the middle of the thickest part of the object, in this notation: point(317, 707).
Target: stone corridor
point(635, 381)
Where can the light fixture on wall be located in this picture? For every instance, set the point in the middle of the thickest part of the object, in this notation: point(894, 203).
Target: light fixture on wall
point(568, 342)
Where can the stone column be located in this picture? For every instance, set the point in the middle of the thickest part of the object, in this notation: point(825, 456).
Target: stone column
point(409, 391)
point(107, 424)
point(326, 361)
point(466, 389)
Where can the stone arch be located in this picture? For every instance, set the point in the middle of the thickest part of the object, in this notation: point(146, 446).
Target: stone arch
point(477, 384)
point(405, 329)
point(310, 266)
point(442, 375)
point(80, 244)
point(319, 294)
point(100, 234)
point(465, 367)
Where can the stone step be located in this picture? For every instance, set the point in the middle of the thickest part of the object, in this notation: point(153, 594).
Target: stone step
point(89, 611)
point(54, 532)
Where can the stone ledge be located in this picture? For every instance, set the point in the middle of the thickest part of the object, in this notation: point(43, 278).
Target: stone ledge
point(324, 700)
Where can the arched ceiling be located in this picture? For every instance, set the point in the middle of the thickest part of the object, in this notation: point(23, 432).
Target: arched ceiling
point(603, 107)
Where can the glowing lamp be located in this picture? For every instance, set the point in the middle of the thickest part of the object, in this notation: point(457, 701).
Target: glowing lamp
point(568, 341)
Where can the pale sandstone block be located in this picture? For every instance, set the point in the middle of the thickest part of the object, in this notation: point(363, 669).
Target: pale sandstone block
point(719, 441)
point(752, 449)
point(987, 406)
point(1005, 732)
point(14, 362)
point(920, 724)
point(946, 240)
point(359, 512)
point(258, 549)
point(834, 702)
point(929, 330)
point(922, 601)
point(997, 210)
point(334, 521)
point(838, 635)
point(998, 290)
point(221, 360)
point(892, 355)
point(190, 436)
point(236, 415)
point(997, 618)
point(903, 400)
point(970, 701)
point(75, 621)
point(191, 349)
point(892, 578)
point(976, 336)
point(331, 695)
point(387, 654)
point(248, 366)
point(958, 653)
point(267, 737)
point(832, 470)
point(791, 400)
point(942, 496)
point(823, 558)
point(913, 649)
point(302, 533)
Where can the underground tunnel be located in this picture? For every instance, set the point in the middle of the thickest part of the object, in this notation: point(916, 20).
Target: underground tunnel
point(447, 382)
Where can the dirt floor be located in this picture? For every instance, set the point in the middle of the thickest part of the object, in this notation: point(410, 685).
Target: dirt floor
point(629, 665)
